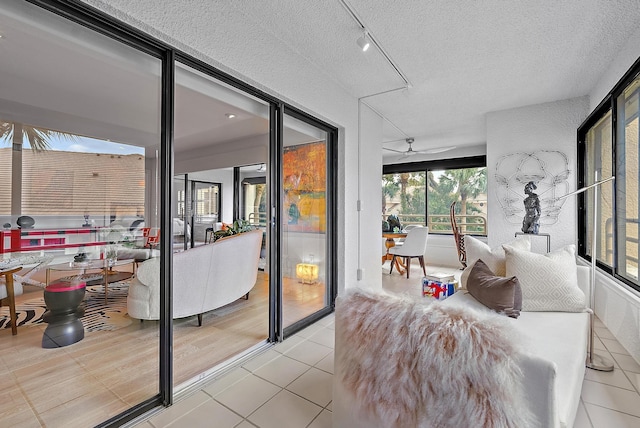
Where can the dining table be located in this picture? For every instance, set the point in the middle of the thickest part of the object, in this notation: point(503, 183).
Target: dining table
point(389, 243)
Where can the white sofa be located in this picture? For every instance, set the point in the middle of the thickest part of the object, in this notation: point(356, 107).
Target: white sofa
point(552, 361)
point(204, 278)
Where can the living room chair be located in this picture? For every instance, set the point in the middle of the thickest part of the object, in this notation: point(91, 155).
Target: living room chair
point(415, 245)
point(8, 290)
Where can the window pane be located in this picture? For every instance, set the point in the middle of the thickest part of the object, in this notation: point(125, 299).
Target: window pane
point(465, 186)
point(79, 138)
point(599, 158)
point(218, 128)
point(403, 194)
point(304, 221)
point(627, 181)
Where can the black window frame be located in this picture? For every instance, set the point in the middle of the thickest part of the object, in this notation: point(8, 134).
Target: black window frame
point(608, 104)
point(432, 165)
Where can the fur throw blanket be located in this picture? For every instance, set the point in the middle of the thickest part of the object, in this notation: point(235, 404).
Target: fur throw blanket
point(417, 364)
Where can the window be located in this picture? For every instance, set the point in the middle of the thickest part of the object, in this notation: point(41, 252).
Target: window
point(422, 193)
point(608, 145)
point(627, 181)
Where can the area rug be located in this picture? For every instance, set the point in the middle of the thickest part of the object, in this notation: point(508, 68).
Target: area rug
point(98, 316)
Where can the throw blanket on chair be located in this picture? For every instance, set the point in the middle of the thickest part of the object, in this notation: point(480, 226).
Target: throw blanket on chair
point(413, 364)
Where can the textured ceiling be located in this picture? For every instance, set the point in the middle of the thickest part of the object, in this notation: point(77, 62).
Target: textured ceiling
point(462, 58)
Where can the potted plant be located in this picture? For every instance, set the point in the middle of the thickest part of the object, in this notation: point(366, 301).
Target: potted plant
point(237, 227)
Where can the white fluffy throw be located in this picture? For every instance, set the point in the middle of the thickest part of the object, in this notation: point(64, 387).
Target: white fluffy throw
point(429, 365)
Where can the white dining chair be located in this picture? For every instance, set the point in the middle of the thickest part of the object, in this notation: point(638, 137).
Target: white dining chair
point(415, 245)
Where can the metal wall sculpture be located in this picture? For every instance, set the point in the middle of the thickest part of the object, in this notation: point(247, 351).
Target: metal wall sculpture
point(548, 169)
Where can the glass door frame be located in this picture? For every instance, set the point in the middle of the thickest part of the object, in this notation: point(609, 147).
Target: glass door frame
point(331, 218)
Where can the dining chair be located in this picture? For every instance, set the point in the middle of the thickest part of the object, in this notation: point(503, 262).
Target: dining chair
point(457, 236)
point(415, 245)
point(8, 290)
point(407, 228)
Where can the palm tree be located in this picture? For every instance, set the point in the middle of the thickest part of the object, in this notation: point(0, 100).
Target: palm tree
point(389, 189)
point(38, 138)
point(468, 183)
point(16, 133)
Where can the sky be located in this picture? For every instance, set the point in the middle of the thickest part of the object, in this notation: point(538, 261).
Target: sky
point(91, 145)
point(88, 145)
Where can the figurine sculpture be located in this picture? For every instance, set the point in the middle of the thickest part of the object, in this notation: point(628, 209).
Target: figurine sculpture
point(394, 223)
point(531, 221)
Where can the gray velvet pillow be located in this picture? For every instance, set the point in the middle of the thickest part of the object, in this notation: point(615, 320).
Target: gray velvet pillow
point(500, 294)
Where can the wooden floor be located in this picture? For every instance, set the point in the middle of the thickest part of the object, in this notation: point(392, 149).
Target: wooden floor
point(109, 371)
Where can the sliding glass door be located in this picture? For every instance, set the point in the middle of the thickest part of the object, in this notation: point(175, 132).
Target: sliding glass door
point(80, 133)
point(305, 241)
point(119, 153)
point(218, 131)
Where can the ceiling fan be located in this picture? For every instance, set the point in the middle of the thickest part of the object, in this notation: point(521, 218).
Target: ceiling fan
point(411, 152)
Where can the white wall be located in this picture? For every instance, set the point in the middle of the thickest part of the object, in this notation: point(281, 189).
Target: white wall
point(549, 126)
point(617, 305)
point(225, 178)
point(262, 60)
point(370, 195)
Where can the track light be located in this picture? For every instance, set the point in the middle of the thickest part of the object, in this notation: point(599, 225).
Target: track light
point(363, 42)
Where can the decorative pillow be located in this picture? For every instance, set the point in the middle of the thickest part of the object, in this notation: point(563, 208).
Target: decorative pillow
point(549, 281)
point(503, 295)
point(493, 258)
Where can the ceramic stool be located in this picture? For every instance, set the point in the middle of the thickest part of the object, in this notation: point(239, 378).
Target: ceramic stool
point(63, 314)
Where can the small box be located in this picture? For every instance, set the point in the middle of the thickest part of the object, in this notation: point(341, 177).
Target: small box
point(437, 289)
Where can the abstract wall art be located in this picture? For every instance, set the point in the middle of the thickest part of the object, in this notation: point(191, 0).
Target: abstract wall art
point(548, 169)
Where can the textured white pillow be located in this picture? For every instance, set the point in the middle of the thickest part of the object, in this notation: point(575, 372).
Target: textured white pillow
point(493, 258)
point(549, 281)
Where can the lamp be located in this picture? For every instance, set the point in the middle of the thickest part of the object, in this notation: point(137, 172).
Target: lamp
point(363, 42)
point(594, 361)
point(307, 272)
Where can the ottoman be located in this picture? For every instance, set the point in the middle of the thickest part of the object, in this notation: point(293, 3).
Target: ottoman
point(63, 314)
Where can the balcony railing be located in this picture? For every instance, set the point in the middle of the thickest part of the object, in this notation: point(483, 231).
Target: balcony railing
point(440, 223)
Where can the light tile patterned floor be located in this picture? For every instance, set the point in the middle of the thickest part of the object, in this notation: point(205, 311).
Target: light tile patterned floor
point(289, 386)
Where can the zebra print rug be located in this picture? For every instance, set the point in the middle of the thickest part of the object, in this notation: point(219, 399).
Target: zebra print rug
point(98, 316)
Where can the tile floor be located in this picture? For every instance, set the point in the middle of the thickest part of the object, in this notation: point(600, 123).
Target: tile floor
point(289, 386)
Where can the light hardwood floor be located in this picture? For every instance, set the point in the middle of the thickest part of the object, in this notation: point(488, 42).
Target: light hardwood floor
point(109, 371)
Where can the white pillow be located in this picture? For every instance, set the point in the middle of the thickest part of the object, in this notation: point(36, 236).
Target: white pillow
point(493, 258)
point(549, 281)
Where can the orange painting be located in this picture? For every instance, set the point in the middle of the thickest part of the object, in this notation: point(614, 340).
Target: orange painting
point(305, 185)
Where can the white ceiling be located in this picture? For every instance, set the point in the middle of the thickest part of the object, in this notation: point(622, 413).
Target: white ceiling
point(462, 58)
